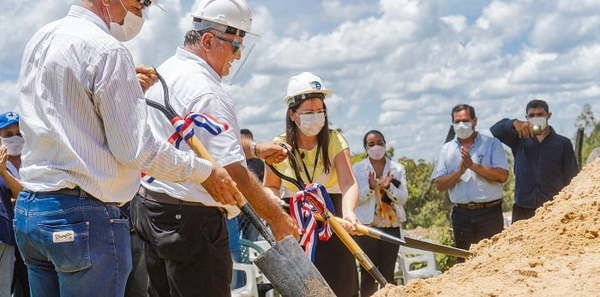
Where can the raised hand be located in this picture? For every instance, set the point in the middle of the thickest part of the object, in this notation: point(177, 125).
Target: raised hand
point(524, 129)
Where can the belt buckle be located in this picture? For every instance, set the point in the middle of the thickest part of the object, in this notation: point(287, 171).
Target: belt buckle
point(473, 206)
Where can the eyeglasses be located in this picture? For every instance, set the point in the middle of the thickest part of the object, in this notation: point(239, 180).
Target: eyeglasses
point(236, 45)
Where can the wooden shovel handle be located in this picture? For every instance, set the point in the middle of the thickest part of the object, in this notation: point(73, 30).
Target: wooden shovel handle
point(353, 247)
point(199, 149)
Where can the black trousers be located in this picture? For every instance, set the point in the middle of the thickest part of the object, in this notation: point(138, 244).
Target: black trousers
point(187, 249)
point(471, 226)
point(137, 282)
point(335, 262)
point(20, 285)
point(383, 255)
point(522, 213)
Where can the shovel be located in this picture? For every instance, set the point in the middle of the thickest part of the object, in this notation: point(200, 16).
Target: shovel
point(285, 264)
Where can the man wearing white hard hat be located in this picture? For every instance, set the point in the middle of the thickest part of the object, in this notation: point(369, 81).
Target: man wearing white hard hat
point(187, 250)
point(86, 142)
point(324, 158)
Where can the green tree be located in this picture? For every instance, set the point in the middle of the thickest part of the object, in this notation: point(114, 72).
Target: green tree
point(591, 139)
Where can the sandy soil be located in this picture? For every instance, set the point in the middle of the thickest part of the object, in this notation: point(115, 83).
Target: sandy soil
point(555, 253)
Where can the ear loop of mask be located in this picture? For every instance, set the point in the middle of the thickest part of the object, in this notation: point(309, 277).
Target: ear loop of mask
point(108, 11)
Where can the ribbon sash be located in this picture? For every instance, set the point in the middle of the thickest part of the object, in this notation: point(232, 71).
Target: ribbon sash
point(302, 210)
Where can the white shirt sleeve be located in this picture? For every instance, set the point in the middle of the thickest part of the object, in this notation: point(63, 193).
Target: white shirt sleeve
point(398, 194)
point(119, 99)
point(226, 147)
point(362, 177)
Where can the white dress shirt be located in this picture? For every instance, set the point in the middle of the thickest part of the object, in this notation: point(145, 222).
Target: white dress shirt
point(195, 87)
point(83, 115)
point(365, 209)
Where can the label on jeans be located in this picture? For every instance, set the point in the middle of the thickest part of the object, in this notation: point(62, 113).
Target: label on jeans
point(63, 236)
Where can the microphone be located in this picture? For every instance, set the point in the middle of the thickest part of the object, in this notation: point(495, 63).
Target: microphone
point(302, 155)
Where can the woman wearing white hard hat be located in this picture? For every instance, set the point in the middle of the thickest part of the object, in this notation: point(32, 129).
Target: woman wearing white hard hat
point(324, 158)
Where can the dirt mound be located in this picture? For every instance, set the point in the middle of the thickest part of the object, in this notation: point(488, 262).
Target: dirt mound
point(555, 253)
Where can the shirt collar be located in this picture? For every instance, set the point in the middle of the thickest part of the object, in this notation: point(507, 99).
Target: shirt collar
point(475, 142)
point(84, 13)
point(184, 54)
point(385, 168)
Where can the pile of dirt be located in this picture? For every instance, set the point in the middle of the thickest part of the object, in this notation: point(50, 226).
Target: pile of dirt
point(555, 253)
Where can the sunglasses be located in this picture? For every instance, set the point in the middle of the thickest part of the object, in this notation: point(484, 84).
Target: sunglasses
point(146, 3)
point(236, 45)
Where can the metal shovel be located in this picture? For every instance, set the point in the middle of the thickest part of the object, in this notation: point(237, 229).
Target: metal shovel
point(285, 264)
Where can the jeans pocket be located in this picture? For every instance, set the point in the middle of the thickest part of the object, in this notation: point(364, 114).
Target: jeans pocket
point(67, 246)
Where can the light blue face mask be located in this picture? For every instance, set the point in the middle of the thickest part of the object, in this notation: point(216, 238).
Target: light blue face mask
point(463, 130)
point(542, 122)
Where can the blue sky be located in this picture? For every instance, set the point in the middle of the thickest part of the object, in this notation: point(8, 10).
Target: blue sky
point(394, 65)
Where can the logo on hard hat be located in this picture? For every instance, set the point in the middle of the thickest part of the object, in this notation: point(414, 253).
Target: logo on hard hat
point(315, 85)
point(11, 116)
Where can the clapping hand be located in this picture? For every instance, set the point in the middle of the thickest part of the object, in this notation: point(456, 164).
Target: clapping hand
point(467, 162)
point(387, 180)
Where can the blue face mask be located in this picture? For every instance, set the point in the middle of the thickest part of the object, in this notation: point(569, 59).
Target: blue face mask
point(463, 130)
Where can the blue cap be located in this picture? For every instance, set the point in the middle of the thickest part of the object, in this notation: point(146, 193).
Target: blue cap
point(9, 118)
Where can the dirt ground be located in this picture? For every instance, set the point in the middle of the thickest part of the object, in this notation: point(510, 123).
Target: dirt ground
point(555, 253)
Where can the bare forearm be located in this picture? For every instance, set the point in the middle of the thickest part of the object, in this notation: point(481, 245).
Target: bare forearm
point(446, 182)
point(246, 147)
point(350, 198)
point(491, 174)
point(13, 184)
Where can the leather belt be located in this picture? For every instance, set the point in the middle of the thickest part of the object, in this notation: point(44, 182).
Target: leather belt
point(166, 199)
point(473, 205)
point(77, 192)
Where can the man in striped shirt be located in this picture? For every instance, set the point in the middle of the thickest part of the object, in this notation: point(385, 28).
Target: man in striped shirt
point(86, 142)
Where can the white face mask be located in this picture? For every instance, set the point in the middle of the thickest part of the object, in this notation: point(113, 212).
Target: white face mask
point(463, 130)
point(311, 124)
point(132, 25)
point(539, 121)
point(14, 145)
point(376, 152)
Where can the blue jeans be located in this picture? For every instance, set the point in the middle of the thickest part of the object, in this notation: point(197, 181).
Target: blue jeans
point(72, 246)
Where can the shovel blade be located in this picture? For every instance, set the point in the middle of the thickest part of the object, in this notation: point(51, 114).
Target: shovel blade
point(291, 272)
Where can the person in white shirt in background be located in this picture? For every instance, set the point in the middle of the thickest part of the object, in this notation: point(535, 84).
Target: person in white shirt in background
point(187, 242)
point(383, 193)
point(86, 142)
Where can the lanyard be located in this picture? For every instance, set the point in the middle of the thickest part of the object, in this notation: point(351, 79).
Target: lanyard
point(310, 178)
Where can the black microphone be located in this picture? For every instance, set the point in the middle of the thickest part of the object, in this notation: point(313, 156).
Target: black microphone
point(302, 155)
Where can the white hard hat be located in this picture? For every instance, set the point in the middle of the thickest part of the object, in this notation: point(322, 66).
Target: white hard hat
point(303, 86)
point(232, 14)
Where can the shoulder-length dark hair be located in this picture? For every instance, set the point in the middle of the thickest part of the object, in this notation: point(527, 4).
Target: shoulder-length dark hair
point(292, 133)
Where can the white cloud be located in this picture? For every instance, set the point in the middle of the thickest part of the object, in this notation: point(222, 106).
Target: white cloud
point(394, 65)
point(9, 93)
point(335, 10)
